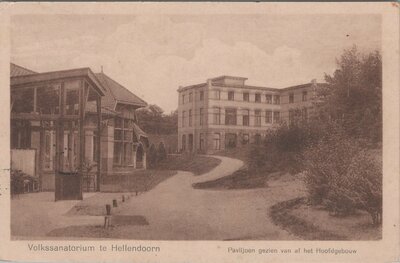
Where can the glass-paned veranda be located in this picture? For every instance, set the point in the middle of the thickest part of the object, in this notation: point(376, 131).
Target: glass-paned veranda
point(48, 113)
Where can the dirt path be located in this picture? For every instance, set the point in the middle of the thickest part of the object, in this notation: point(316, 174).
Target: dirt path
point(177, 211)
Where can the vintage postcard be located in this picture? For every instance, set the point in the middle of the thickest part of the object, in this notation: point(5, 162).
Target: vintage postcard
point(199, 132)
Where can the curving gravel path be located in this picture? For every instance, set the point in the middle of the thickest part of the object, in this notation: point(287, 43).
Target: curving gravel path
point(177, 211)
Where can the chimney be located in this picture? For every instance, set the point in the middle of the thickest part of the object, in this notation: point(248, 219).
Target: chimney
point(209, 81)
point(314, 81)
point(101, 68)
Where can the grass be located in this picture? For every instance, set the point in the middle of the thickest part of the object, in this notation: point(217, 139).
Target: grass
point(192, 163)
point(281, 216)
point(240, 153)
point(314, 223)
point(138, 181)
point(241, 179)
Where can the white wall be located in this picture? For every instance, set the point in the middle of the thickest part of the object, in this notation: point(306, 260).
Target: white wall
point(23, 159)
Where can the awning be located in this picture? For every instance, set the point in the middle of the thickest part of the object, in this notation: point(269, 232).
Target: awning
point(139, 132)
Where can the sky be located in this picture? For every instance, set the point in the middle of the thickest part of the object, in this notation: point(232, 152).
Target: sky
point(152, 55)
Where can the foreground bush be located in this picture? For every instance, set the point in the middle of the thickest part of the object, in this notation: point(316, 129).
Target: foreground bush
point(325, 164)
point(162, 152)
point(152, 156)
point(365, 178)
point(343, 177)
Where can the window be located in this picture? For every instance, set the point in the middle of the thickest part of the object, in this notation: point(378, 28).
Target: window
point(257, 119)
point(277, 99)
point(230, 140)
point(71, 99)
point(183, 98)
point(123, 139)
point(291, 98)
point(257, 97)
point(183, 142)
point(49, 150)
point(201, 95)
point(268, 99)
point(257, 138)
point(230, 116)
point(48, 100)
point(304, 114)
point(217, 94)
point(190, 97)
point(277, 117)
point(201, 143)
point(190, 118)
point(245, 139)
point(183, 118)
point(231, 95)
point(95, 146)
point(217, 141)
point(21, 134)
point(217, 116)
point(246, 118)
point(304, 95)
point(245, 96)
point(201, 116)
point(268, 116)
point(291, 116)
point(22, 100)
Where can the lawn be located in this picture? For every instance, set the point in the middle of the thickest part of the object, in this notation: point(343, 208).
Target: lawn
point(315, 223)
point(241, 179)
point(137, 181)
point(240, 153)
point(115, 186)
point(196, 164)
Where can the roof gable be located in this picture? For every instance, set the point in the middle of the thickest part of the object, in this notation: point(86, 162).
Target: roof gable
point(16, 70)
point(116, 93)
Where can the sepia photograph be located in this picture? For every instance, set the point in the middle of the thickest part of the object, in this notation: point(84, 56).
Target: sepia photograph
point(207, 126)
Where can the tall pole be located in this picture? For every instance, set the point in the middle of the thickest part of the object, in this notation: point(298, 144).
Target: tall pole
point(81, 135)
point(98, 177)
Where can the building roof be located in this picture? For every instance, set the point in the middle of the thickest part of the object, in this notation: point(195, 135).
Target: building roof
point(229, 77)
point(304, 86)
point(139, 132)
point(116, 93)
point(23, 80)
point(16, 70)
point(91, 107)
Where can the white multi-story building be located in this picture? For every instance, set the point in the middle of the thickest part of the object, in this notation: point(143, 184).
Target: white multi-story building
point(225, 112)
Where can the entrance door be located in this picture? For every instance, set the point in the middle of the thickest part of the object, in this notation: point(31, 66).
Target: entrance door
point(190, 142)
point(230, 140)
point(68, 180)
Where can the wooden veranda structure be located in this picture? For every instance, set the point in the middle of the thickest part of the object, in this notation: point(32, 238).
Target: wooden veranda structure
point(48, 113)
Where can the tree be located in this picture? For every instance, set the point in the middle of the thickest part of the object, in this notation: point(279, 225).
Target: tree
point(153, 156)
point(153, 120)
point(162, 152)
point(353, 96)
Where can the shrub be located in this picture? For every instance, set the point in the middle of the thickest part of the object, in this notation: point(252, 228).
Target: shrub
point(152, 157)
point(282, 148)
point(256, 158)
point(344, 177)
point(365, 184)
point(325, 164)
point(162, 152)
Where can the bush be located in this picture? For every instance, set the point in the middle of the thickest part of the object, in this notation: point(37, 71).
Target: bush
point(325, 164)
point(282, 148)
point(344, 177)
point(162, 152)
point(152, 157)
point(365, 184)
